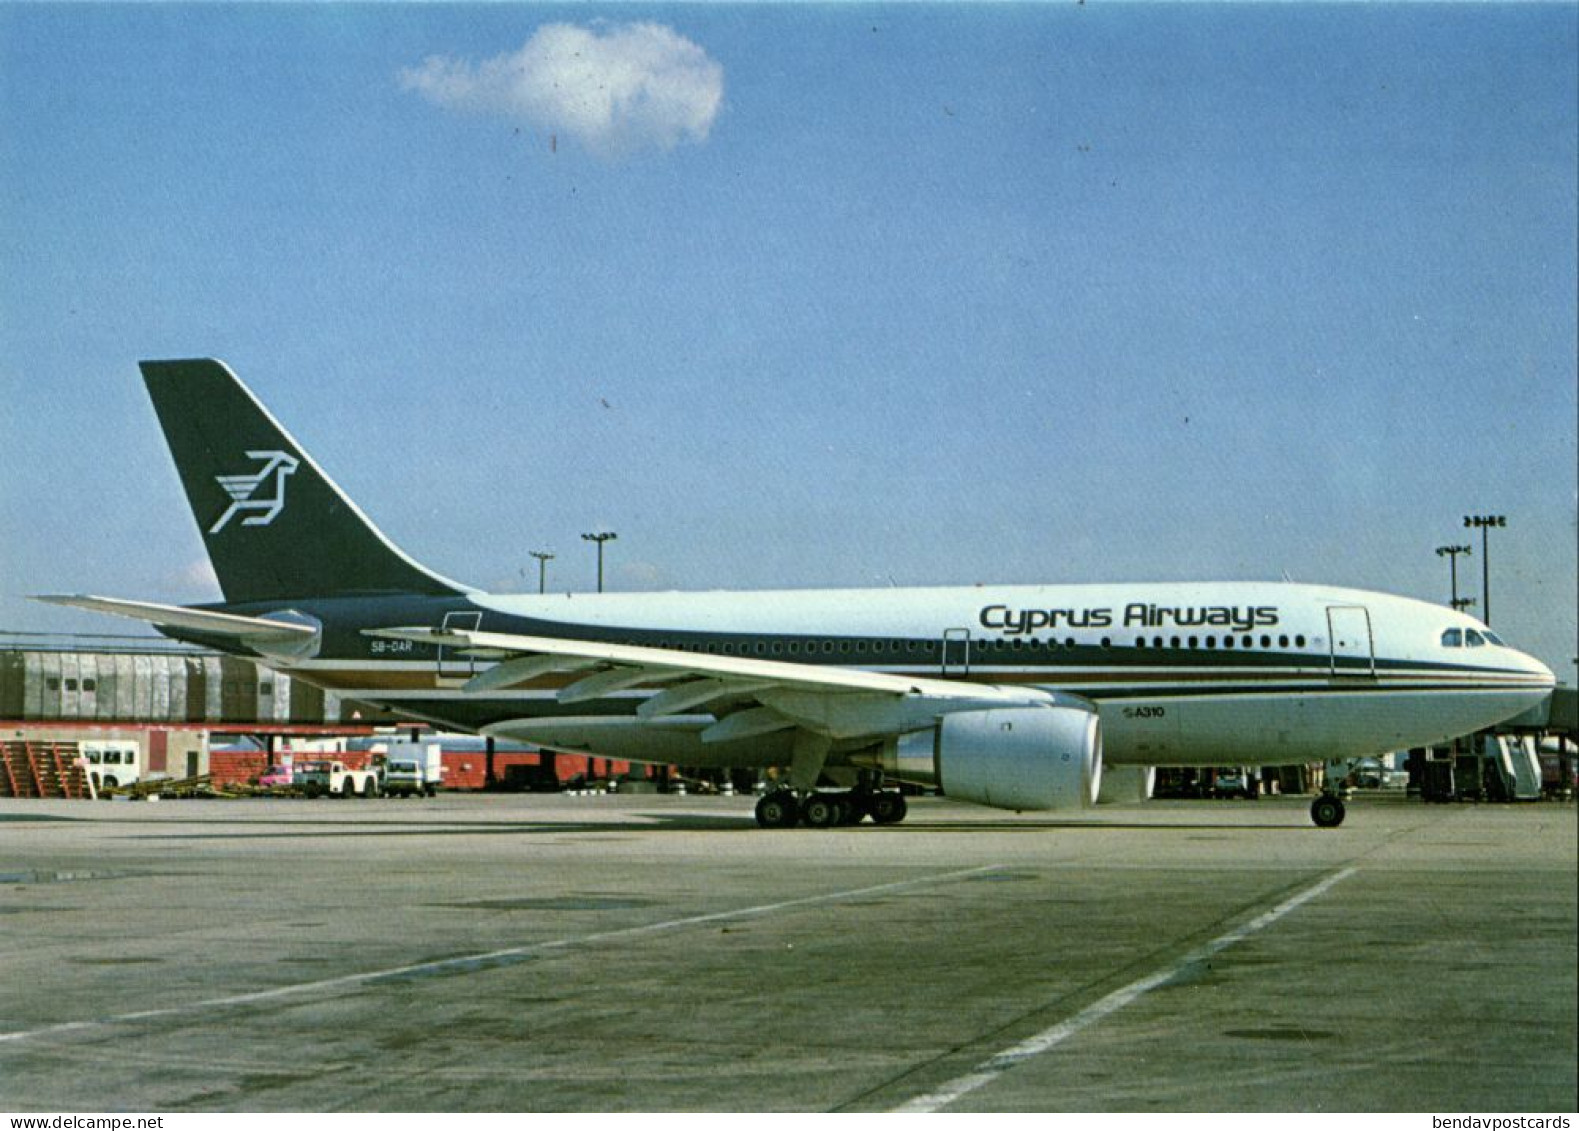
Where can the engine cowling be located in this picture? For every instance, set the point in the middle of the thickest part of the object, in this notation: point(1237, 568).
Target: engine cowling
point(1009, 757)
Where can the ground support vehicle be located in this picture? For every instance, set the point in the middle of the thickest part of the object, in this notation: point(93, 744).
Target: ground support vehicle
point(318, 779)
point(413, 769)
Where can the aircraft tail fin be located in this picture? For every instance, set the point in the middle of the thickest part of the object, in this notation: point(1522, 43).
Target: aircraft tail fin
point(275, 526)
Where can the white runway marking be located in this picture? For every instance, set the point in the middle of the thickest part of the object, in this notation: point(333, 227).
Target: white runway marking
point(489, 959)
point(994, 1067)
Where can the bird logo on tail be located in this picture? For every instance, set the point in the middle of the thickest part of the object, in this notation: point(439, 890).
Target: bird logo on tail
point(244, 490)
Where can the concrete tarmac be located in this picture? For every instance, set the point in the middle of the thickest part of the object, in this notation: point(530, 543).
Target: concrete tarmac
point(548, 953)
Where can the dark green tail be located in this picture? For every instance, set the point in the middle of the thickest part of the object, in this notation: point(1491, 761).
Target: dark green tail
point(276, 526)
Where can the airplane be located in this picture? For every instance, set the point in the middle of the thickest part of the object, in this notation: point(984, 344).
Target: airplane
point(1014, 697)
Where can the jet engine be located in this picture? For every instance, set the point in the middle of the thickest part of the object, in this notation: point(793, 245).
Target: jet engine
point(1009, 758)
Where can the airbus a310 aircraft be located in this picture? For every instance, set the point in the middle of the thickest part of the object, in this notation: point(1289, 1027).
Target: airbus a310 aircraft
point(1008, 696)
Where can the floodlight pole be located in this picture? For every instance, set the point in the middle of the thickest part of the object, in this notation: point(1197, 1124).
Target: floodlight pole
point(543, 558)
point(600, 537)
point(1485, 522)
point(1451, 553)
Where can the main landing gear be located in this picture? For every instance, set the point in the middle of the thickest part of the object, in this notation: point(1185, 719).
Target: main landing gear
point(782, 809)
point(1327, 811)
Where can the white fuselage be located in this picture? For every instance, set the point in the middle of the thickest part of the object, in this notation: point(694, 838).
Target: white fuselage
point(1181, 673)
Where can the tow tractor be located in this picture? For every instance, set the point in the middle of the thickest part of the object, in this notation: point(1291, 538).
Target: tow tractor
point(333, 778)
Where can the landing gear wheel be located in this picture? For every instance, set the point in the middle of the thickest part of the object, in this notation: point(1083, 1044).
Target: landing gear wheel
point(888, 807)
point(778, 810)
point(1327, 811)
point(852, 809)
point(821, 811)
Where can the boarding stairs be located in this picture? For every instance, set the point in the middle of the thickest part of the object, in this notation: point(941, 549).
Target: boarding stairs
point(1518, 768)
point(42, 769)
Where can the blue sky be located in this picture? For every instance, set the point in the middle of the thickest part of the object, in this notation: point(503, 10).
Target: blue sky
point(852, 296)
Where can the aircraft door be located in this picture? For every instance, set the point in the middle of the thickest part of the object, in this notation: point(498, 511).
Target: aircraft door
point(1349, 631)
point(452, 662)
point(956, 652)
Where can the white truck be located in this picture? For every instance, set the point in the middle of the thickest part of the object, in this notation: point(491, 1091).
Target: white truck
point(333, 778)
point(413, 769)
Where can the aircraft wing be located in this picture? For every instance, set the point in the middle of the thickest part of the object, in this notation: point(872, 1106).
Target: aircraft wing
point(765, 695)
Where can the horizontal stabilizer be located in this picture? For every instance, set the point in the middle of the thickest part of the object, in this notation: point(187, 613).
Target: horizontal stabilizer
point(253, 630)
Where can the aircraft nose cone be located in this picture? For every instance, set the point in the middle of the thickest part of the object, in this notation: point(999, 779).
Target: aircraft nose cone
point(1537, 671)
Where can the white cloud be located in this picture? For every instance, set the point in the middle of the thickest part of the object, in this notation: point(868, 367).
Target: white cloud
point(615, 89)
point(193, 582)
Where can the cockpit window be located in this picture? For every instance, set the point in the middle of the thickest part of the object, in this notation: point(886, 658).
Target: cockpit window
point(1493, 638)
point(1453, 638)
point(1474, 639)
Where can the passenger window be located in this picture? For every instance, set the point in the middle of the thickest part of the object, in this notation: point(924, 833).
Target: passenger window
point(1452, 638)
point(1474, 639)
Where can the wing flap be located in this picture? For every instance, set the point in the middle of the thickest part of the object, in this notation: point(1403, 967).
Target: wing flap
point(697, 693)
point(608, 682)
point(524, 669)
